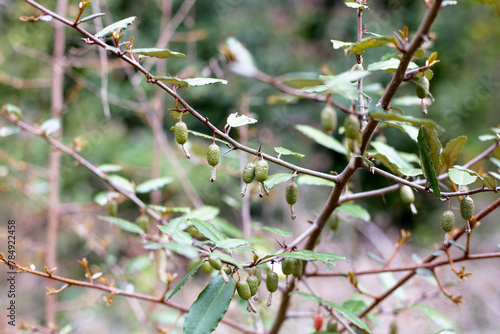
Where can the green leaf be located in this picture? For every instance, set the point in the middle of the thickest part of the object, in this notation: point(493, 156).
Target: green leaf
point(456, 244)
point(301, 79)
point(206, 212)
point(434, 316)
point(276, 179)
point(227, 227)
point(181, 249)
point(13, 111)
point(6, 131)
point(123, 224)
point(468, 170)
point(340, 44)
point(91, 17)
point(209, 309)
point(122, 25)
point(230, 243)
point(120, 182)
point(50, 126)
point(341, 84)
point(181, 237)
point(389, 65)
point(328, 259)
point(190, 82)
point(103, 197)
point(285, 151)
point(278, 231)
point(391, 154)
point(354, 305)
point(314, 181)
point(432, 141)
point(411, 171)
point(226, 258)
point(355, 5)
point(427, 164)
point(109, 168)
point(199, 134)
point(234, 120)
point(185, 279)
point(322, 138)
point(451, 152)
point(345, 313)
point(157, 53)
point(367, 43)
point(153, 184)
point(461, 177)
point(208, 230)
point(166, 210)
point(281, 99)
point(407, 119)
point(355, 211)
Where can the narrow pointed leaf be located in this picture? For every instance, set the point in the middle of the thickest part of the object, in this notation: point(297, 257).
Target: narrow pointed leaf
point(50, 126)
point(208, 230)
point(392, 155)
point(123, 224)
point(122, 24)
point(314, 181)
point(278, 231)
point(407, 119)
point(110, 168)
point(276, 179)
point(210, 307)
point(234, 120)
point(285, 151)
point(322, 138)
point(157, 53)
point(185, 279)
point(427, 164)
point(91, 17)
point(190, 82)
point(432, 141)
point(451, 152)
point(154, 184)
point(120, 182)
point(389, 65)
point(328, 259)
point(355, 211)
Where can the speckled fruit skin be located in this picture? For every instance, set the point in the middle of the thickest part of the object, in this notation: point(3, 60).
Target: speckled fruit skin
point(328, 119)
point(249, 172)
point(287, 266)
point(351, 127)
point(467, 208)
point(213, 155)
point(297, 268)
point(261, 170)
point(257, 273)
point(292, 193)
point(407, 195)
point(272, 282)
point(448, 221)
point(181, 132)
point(243, 290)
point(253, 283)
point(421, 92)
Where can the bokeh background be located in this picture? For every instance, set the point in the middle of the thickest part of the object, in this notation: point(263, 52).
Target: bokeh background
point(284, 37)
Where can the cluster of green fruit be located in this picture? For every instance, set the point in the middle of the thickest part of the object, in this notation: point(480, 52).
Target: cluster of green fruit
point(351, 126)
point(258, 171)
point(448, 217)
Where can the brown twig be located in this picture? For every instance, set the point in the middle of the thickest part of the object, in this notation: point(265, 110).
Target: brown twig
point(457, 300)
point(405, 237)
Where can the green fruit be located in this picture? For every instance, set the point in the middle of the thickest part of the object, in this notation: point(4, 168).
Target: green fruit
point(112, 208)
point(333, 222)
point(407, 195)
point(143, 222)
point(227, 269)
point(467, 208)
point(272, 282)
point(261, 170)
point(193, 263)
point(249, 172)
point(351, 127)
point(328, 119)
point(243, 290)
point(213, 155)
point(448, 221)
point(292, 193)
point(257, 273)
point(206, 267)
point(287, 266)
point(423, 89)
point(181, 132)
point(215, 263)
point(297, 268)
point(253, 283)
point(331, 327)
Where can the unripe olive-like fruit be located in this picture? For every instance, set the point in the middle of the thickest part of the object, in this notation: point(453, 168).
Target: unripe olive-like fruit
point(253, 283)
point(448, 221)
point(143, 222)
point(261, 170)
point(181, 132)
point(333, 222)
point(351, 127)
point(257, 273)
point(227, 269)
point(249, 172)
point(112, 208)
point(243, 290)
point(213, 155)
point(328, 119)
point(206, 267)
point(423, 88)
point(215, 263)
point(331, 326)
point(297, 268)
point(193, 263)
point(287, 266)
point(292, 193)
point(272, 282)
point(407, 194)
point(318, 321)
point(467, 208)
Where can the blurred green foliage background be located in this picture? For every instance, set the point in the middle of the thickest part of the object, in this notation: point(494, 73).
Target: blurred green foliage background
point(284, 37)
